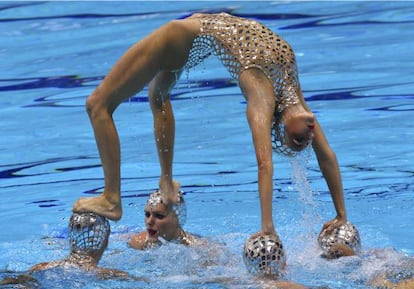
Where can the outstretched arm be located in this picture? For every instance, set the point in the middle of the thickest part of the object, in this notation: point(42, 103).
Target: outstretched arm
point(260, 107)
point(330, 170)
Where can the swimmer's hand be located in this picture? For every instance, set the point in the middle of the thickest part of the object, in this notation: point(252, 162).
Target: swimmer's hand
point(329, 226)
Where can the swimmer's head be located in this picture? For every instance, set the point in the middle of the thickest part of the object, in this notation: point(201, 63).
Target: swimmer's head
point(88, 234)
point(293, 132)
point(179, 207)
point(162, 221)
point(342, 241)
point(264, 255)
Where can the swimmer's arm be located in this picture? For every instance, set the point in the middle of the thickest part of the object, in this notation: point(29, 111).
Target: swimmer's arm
point(105, 273)
point(405, 284)
point(260, 109)
point(382, 282)
point(43, 266)
point(289, 285)
point(25, 280)
point(138, 241)
point(330, 170)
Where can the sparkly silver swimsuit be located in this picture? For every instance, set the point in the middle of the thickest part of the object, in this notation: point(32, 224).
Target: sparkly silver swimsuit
point(241, 44)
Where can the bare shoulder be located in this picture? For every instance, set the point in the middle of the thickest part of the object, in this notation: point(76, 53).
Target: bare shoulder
point(138, 241)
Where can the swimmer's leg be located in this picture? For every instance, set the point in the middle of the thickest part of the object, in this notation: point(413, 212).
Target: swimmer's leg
point(164, 128)
point(167, 47)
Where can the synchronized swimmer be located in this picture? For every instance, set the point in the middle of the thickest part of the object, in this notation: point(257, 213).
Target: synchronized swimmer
point(265, 67)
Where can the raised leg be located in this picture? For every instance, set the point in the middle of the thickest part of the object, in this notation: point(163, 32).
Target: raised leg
point(164, 128)
point(166, 48)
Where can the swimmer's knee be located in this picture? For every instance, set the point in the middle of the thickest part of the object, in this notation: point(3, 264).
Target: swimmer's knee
point(94, 106)
point(90, 104)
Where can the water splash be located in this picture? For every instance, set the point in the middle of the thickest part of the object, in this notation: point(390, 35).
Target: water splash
point(300, 179)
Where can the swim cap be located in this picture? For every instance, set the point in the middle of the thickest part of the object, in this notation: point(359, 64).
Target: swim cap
point(279, 142)
point(178, 207)
point(346, 234)
point(88, 232)
point(264, 255)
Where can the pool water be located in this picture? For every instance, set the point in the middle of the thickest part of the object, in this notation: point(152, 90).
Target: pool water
point(355, 60)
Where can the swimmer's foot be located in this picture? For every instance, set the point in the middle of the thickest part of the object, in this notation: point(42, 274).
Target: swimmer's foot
point(100, 206)
point(170, 196)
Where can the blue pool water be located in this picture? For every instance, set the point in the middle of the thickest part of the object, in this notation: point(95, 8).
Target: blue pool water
point(356, 63)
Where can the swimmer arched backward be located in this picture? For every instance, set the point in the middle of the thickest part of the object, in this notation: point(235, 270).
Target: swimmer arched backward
point(268, 79)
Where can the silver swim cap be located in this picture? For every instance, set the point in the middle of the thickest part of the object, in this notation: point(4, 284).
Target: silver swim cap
point(346, 234)
point(88, 232)
point(279, 142)
point(178, 207)
point(264, 255)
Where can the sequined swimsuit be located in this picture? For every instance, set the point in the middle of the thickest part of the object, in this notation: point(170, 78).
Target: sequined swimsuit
point(241, 44)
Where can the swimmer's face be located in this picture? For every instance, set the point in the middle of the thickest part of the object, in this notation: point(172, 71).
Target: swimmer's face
point(299, 129)
point(160, 222)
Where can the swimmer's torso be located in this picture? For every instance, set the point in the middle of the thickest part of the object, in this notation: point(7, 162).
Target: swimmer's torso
point(242, 44)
